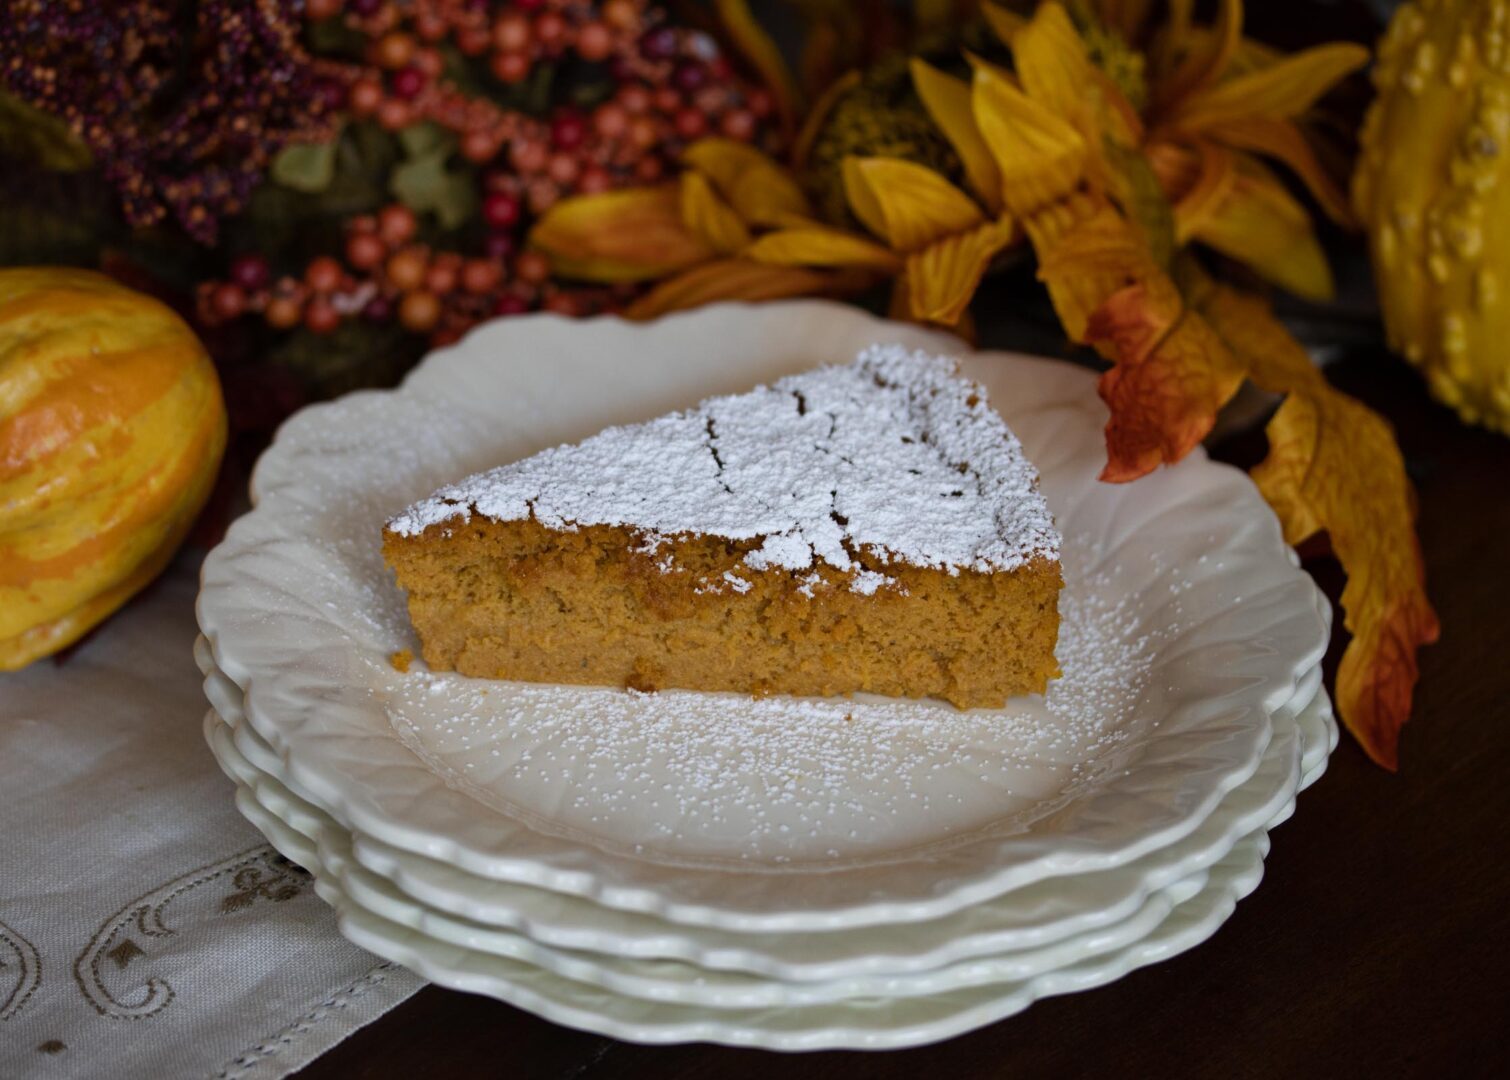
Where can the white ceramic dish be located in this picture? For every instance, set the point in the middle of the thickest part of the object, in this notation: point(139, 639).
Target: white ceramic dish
point(513, 917)
point(859, 1024)
point(688, 984)
point(669, 980)
point(1193, 626)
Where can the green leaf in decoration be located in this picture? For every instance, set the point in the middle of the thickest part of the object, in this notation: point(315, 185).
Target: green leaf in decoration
point(424, 138)
point(31, 135)
point(425, 184)
point(307, 167)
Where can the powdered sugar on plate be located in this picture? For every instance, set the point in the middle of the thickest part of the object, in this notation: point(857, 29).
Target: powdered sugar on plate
point(715, 779)
point(894, 454)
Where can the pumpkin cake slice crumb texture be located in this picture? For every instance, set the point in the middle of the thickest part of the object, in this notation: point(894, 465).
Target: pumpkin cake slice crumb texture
point(866, 527)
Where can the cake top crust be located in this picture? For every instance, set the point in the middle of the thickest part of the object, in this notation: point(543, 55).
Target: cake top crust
point(894, 454)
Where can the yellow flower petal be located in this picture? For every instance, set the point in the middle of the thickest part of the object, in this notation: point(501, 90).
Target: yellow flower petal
point(907, 204)
point(1281, 91)
point(947, 100)
point(730, 279)
point(1261, 224)
point(943, 276)
point(1040, 155)
point(1284, 140)
point(1052, 64)
point(1207, 57)
point(710, 217)
point(761, 191)
point(1003, 22)
point(1055, 70)
point(757, 48)
point(630, 235)
point(813, 245)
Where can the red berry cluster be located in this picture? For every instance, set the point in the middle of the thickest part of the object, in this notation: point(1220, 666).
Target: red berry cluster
point(673, 86)
point(669, 87)
point(388, 275)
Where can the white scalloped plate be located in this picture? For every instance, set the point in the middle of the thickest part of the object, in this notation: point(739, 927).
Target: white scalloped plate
point(1028, 919)
point(668, 980)
point(867, 1023)
point(690, 984)
point(1187, 624)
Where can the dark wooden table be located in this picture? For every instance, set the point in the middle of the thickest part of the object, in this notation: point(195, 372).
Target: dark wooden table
point(1378, 944)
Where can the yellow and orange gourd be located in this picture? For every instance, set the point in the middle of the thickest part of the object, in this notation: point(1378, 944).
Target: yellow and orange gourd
point(112, 427)
point(1433, 189)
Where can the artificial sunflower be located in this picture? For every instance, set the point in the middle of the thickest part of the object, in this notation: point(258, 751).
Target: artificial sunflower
point(1204, 107)
point(734, 226)
point(1109, 160)
point(1180, 345)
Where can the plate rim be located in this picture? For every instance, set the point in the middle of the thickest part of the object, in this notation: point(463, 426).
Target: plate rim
point(1235, 882)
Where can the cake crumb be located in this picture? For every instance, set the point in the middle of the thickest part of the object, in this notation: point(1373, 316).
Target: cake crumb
point(401, 661)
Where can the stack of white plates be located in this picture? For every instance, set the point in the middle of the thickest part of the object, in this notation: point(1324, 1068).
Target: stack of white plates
point(782, 873)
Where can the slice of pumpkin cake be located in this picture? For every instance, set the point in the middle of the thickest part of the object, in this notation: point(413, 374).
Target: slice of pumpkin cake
point(867, 527)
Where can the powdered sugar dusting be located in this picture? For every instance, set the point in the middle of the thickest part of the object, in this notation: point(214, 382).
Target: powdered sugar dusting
point(716, 778)
point(894, 455)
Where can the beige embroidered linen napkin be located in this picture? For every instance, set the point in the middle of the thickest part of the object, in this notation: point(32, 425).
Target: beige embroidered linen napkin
point(146, 929)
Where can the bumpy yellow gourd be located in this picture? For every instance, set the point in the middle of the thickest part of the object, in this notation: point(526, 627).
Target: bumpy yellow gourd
point(1433, 188)
point(111, 430)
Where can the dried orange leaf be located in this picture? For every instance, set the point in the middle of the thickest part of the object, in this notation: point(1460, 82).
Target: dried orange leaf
point(632, 235)
point(906, 204)
point(1086, 251)
point(1333, 464)
point(761, 191)
point(947, 100)
point(1259, 223)
point(710, 217)
point(1282, 90)
point(816, 245)
point(1040, 155)
point(730, 279)
point(943, 276)
point(1171, 374)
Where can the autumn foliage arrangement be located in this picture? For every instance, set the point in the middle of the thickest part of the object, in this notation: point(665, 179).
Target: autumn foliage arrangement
point(367, 178)
point(1115, 149)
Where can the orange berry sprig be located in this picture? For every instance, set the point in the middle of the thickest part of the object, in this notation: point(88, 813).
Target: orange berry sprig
point(386, 275)
point(673, 87)
point(657, 88)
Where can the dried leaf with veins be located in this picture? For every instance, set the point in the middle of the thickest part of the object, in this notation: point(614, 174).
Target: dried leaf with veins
point(1333, 465)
